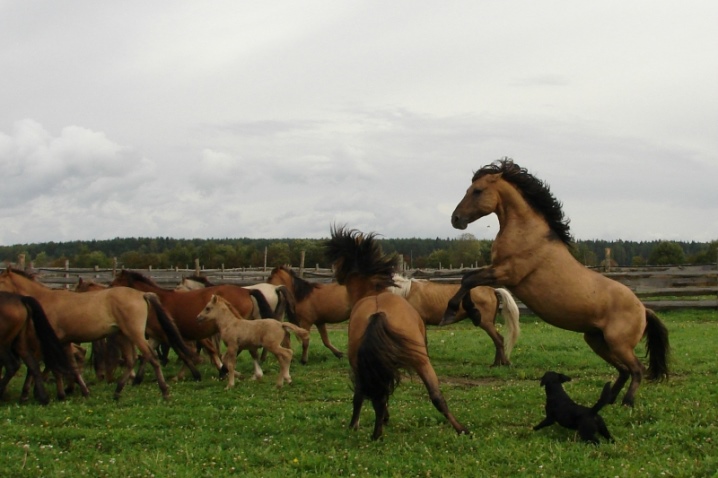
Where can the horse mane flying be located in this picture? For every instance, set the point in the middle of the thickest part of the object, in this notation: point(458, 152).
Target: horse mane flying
point(536, 192)
point(301, 287)
point(353, 252)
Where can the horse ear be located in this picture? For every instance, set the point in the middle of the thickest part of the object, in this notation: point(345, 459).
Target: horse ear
point(213, 299)
point(492, 178)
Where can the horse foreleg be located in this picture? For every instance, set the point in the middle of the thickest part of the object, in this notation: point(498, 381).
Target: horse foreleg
point(77, 376)
point(230, 361)
point(322, 328)
point(431, 382)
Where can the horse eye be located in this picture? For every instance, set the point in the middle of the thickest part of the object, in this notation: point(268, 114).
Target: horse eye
point(477, 192)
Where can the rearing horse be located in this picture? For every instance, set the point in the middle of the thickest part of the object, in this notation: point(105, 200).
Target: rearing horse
point(530, 256)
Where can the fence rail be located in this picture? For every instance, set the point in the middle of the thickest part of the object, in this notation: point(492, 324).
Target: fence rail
point(660, 288)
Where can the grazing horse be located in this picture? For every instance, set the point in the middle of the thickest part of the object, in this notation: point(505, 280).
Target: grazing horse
point(481, 306)
point(530, 256)
point(24, 326)
point(185, 305)
point(386, 333)
point(239, 334)
point(92, 315)
point(315, 304)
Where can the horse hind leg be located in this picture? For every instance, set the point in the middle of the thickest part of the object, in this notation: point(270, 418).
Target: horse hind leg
point(431, 381)
point(381, 416)
point(486, 321)
point(625, 362)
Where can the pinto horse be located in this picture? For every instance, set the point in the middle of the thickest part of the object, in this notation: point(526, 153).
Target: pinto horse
point(386, 333)
point(92, 315)
point(278, 297)
point(530, 256)
point(314, 304)
point(24, 328)
point(184, 306)
point(481, 306)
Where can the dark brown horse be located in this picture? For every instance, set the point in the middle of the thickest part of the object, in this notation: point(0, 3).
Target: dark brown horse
point(26, 333)
point(314, 304)
point(386, 333)
point(530, 256)
point(184, 306)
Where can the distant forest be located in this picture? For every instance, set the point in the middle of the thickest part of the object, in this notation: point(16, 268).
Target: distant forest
point(464, 251)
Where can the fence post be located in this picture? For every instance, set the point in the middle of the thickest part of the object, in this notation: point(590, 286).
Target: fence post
point(21, 262)
point(196, 267)
point(265, 259)
point(301, 263)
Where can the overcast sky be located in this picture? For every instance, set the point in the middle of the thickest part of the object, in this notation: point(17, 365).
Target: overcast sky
point(276, 119)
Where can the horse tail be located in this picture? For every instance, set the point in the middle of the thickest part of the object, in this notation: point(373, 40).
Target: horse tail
point(657, 347)
point(603, 400)
point(510, 312)
point(290, 304)
point(300, 333)
point(264, 309)
point(174, 337)
point(380, 356)
point(53, 351)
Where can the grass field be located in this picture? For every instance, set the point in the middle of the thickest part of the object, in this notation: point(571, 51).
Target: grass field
point(301, 430)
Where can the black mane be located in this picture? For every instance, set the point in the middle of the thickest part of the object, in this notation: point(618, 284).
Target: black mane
point(300, 288)
point(351, 251)
point(536, 192)
point(137, 277)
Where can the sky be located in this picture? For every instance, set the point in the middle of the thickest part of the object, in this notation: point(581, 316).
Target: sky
point(277, 119)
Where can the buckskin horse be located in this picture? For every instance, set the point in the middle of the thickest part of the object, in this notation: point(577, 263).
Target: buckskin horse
point(89, 316)
point(386, 333)
point(530, 256)
point(481, 306)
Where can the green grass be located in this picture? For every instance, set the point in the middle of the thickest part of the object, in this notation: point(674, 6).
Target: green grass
point(301, 430)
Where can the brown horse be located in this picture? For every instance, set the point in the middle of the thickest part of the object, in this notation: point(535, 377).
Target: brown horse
point(106, 352)
point(185, 305)
point(23, 329)
point(86, 317)
point(315, 304)
point(240, 334)
point(530, 256)
point(386, 333)
point(481, 306)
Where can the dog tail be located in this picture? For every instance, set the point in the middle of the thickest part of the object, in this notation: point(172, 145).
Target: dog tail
point(603, 400)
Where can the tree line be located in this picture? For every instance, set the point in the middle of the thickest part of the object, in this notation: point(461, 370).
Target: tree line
point(463, 251)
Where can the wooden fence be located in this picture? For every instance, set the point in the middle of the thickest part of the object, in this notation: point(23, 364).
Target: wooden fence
point(660, 288)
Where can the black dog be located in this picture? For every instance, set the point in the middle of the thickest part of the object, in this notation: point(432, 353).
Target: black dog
point(567, 413)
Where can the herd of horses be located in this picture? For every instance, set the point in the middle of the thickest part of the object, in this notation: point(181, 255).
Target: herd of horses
point(387, 313)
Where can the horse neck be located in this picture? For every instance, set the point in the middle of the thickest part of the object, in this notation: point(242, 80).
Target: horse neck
point(25, 286)
point(516, 215)
point(225, 316)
